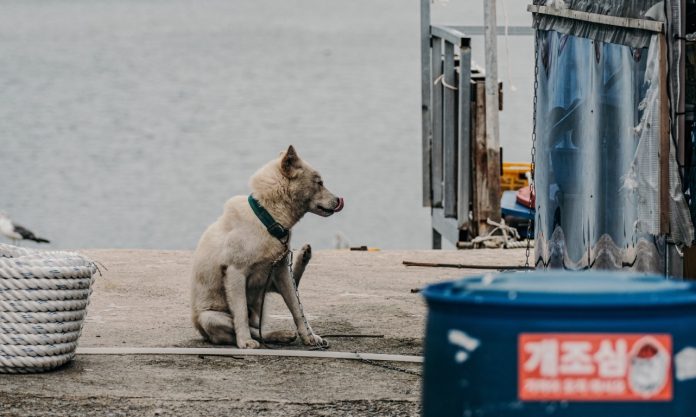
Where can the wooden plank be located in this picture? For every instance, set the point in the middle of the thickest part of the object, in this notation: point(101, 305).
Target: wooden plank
point(294, 353)
point(501, 30)
point(436, 153)
point(426, 90)
point(464, 139)
point(626, 22)
point(449, 133)
point(664, 140)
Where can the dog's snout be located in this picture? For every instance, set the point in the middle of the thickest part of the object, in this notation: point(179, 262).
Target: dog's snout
point(339, 204)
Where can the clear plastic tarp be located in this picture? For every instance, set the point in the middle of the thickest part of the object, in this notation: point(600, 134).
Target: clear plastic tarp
point(597, 166)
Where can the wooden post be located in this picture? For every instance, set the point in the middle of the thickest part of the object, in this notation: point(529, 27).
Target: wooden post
point(690, 263)
point(479, 157)
point(464, 139)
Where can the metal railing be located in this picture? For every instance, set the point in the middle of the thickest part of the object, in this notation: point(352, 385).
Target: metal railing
point(459, 173)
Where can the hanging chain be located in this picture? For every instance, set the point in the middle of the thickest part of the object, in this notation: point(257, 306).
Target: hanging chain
point(287, 254)
point(534, 134)
point(297, 295)
point(269, 281)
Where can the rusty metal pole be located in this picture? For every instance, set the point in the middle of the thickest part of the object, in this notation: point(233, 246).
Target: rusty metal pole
point(491, 45)
point(492, 106)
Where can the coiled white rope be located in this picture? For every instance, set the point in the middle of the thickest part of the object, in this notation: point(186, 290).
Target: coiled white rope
point(49, 317)
point(41, 306)
point(30, 364)
point(9, 270)
point(45, 295)
point(39, 339)
point(43, 301)
point(46, 284)
point(40, 328)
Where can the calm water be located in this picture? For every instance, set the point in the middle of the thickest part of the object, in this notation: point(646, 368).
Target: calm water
point(129, 123)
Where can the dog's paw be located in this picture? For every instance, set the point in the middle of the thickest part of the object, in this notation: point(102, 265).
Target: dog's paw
point(248, 344)
point(305, 254)
point(315, 340)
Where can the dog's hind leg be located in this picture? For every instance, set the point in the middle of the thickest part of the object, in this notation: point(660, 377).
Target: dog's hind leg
point(218, 327)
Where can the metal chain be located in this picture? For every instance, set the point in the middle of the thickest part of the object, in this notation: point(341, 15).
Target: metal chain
point(290, 257)
point(269, 280)
point(387, 366)
point(297, 295)
point(287, 254)
point(534, 134)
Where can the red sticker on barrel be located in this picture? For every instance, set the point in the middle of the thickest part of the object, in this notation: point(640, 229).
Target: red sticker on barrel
point(594, 367)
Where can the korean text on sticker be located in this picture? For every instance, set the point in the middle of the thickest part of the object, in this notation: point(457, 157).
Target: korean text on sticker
point(594, 367)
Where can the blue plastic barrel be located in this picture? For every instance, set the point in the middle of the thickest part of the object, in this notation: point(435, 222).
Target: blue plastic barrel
point(563, 344)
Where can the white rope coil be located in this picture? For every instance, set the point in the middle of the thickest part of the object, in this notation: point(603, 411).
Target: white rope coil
point(53, 272)
point(41, 306)
point(24, 364)
point(43, 301)
point(40, 328)
point(42, 317)
point(9, 351)
point(42, 261)
point(43, 295)
point(10, 251)
point(45, 284)
point(37, 339)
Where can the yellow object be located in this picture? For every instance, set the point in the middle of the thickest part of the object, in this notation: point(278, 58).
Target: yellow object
point(514, 175)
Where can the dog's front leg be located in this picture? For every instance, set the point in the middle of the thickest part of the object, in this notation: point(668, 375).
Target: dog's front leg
point(283, 282)
point(235, 291)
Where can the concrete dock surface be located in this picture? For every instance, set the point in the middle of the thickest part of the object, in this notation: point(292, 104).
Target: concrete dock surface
point(142, 300)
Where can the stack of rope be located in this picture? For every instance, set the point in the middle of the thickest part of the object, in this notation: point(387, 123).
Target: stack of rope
point(508, 238)
point(43, 301)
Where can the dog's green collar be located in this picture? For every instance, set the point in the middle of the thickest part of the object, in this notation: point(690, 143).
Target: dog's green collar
point(276, 229)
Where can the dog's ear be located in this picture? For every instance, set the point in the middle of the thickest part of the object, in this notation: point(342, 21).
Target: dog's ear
point(289, 162)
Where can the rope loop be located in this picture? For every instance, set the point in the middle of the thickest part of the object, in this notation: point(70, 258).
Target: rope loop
point(43, 301)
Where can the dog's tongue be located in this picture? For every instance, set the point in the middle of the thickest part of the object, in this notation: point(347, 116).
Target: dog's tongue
point(340, 205)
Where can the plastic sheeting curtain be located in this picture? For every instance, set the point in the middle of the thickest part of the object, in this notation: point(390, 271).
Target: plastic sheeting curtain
point(597, 165)
point(636, 9)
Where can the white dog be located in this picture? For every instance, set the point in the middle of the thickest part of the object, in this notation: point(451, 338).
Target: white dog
point(248, 245)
